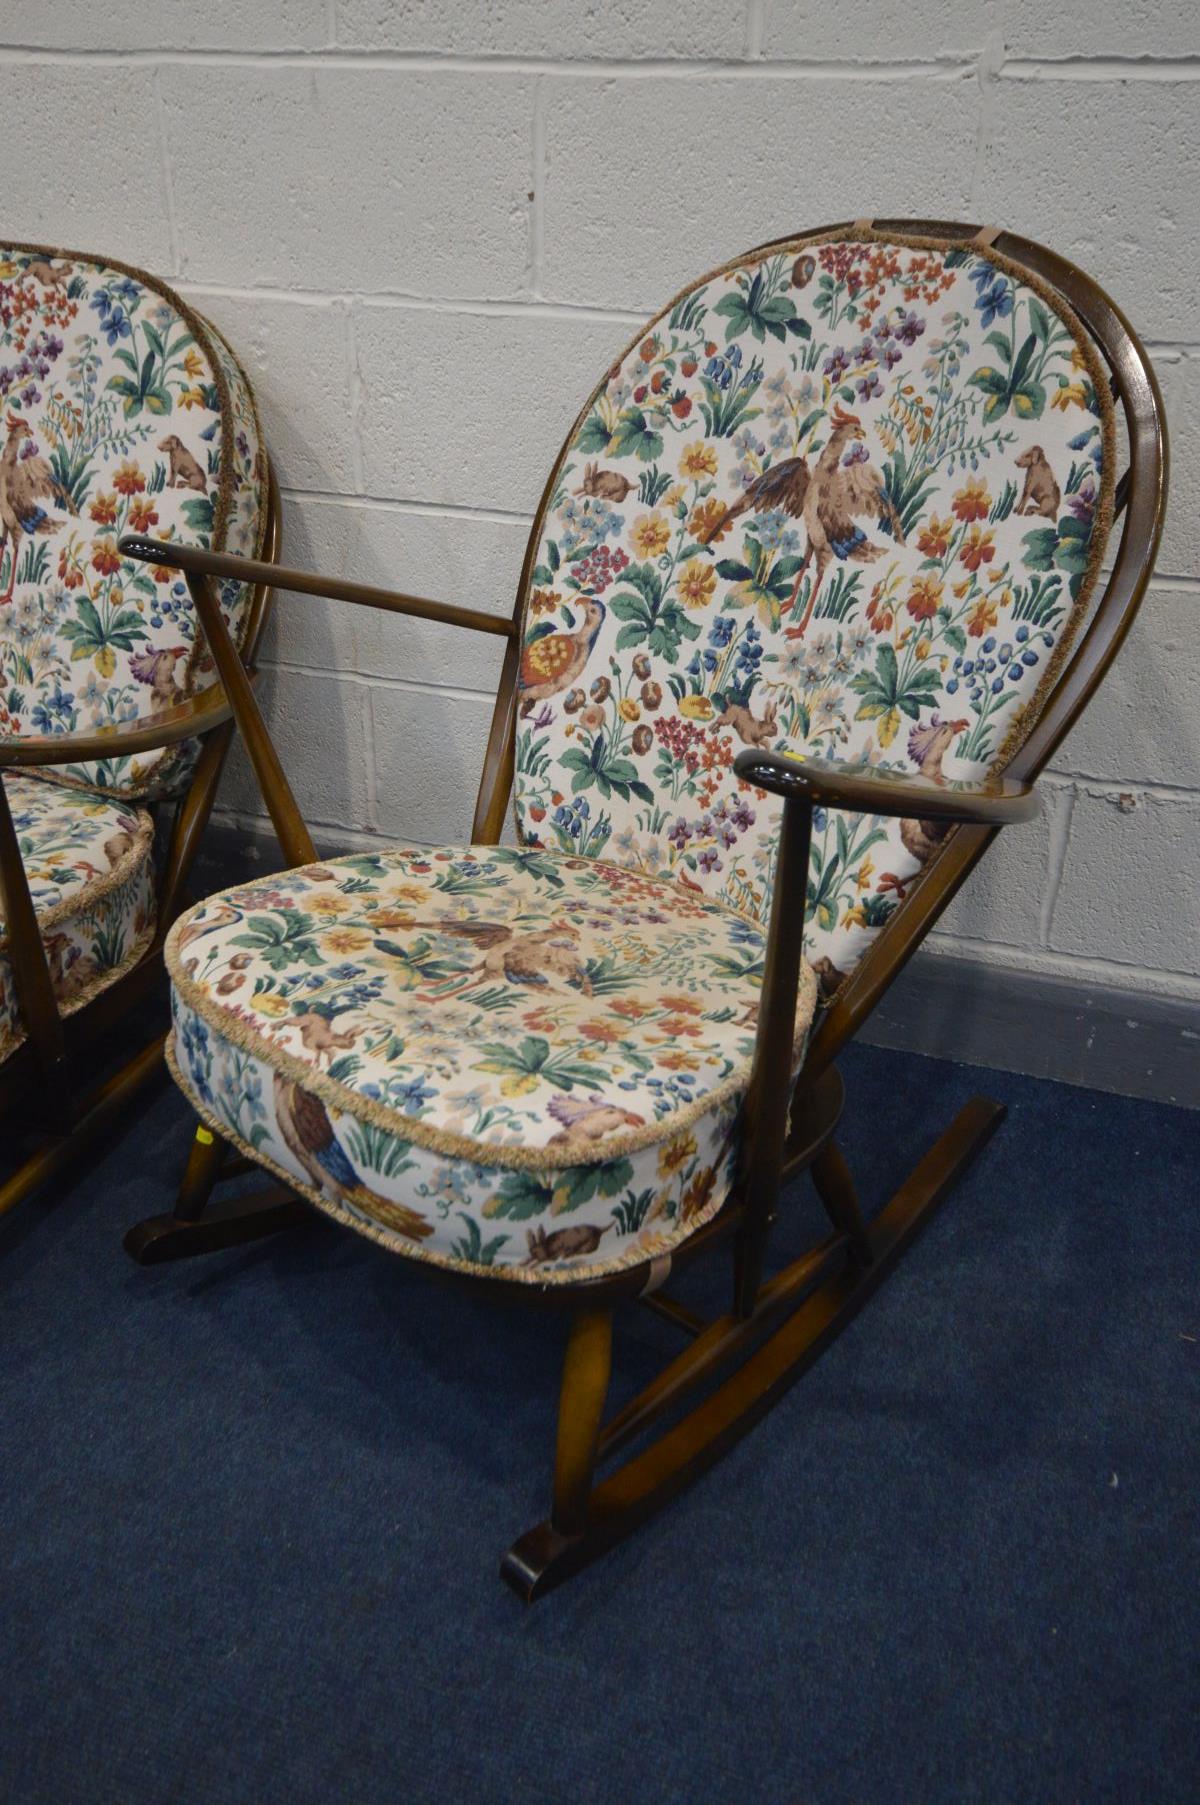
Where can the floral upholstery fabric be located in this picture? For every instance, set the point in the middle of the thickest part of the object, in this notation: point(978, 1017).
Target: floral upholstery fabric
point(91, 876)
point(845, 497)
point(120, 411)
point(523, 1063)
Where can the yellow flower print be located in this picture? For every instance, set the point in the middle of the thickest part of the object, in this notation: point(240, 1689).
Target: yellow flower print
point(269, 1004)
point(347, 940)
point(629, 710)
point(697, 1193)
point(675, 1154)
point(699, 460)
point(972, 501)
point(650, 536)
point(934, 538)
point(925, 598)
point(709, 519)
point(696, 708)
point(1069, 394)
point(606, 1033)
point(697, 583)
point(325, 903)
point(864, 874)
point(192, 398)
point(519, 1085)
point(193, 364)
point(128, 479)
point(982, 617)
point(889, 727)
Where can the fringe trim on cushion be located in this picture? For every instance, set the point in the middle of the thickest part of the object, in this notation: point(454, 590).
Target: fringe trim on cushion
point(542, 1276)
point(81, 901)
point(440, 1140)
point(102, 981)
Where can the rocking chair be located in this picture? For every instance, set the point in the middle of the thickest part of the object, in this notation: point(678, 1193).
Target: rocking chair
point(844, 501)
point(122, 408)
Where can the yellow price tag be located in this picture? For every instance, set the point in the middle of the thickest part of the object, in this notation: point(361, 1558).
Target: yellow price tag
point(204, 1137)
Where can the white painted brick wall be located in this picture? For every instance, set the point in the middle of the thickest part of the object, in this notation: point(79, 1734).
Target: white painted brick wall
point(427, 225)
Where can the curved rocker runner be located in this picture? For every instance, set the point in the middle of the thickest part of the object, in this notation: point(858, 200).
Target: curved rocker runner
point(812, 595)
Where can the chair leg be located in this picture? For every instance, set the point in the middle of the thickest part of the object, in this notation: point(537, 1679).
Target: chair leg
point(586, 1371)
point(816, 1298)
point(835, 1187)
point(194, 1228)
point(201, 1173)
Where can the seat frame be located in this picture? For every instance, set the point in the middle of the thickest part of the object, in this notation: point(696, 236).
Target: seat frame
point(40, 1079)
point(743, 1361)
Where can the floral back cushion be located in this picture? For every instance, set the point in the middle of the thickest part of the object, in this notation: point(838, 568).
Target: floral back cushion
point(846, 497)
point(120, 411)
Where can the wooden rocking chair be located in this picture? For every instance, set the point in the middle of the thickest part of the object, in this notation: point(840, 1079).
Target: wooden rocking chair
point(122, 407)
point(846, 496)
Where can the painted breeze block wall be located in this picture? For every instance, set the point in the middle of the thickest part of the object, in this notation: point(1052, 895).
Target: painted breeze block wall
point(429, 227)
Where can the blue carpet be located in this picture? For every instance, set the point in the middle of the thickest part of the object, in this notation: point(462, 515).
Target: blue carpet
point(252, 1508)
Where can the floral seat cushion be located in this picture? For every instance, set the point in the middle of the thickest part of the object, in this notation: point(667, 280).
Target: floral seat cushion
point(846, 496)
point(496, 1059)
point(91, 876)
point(120, 411)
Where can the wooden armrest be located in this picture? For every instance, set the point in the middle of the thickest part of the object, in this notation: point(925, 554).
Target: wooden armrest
point(183, 721)
point(190, 558)
point(869, 790)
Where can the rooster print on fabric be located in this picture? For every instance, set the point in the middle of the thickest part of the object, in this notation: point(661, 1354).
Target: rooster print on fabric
point(112, 420)
point(839, 499)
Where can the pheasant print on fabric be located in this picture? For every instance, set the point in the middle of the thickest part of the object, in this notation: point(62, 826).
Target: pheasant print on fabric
point(492, 1058)
point(839, 498)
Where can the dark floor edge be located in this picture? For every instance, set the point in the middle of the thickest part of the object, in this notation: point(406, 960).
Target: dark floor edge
point(1103, 1036)
point(1106, 1037)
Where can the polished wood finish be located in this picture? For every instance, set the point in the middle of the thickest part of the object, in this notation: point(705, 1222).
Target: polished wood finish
point(186, 720)
point(769, 1095)
point(233, 1224)
point(778, 1327)
point(672, 1311)
point(204, 1169)
point(286, 818)
point(40, 1078)
point(586, 1372)
point(834, 1183)
point(870, 790)
point(194, 562)
point(544, 1556)
point(719, 1344)
point(95, 1114)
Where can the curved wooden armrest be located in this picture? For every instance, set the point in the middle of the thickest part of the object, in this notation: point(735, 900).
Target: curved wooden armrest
point(869, 790)
point(191, 559)
point(196, 715)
